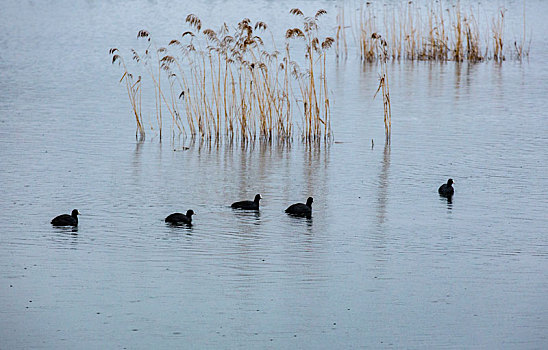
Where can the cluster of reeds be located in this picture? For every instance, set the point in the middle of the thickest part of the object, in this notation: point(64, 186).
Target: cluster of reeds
point(431, 32)
point(216, 83)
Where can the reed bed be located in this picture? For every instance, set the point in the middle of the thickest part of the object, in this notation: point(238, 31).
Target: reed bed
point(432, 31)
point(236, 83)
point(223, 83)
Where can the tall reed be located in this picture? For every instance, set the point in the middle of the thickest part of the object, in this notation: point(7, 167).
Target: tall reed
point(133, 91)
point(498, 30)
point(340, 36)
point(313, 87)
point(382, 48)
point(521, 49)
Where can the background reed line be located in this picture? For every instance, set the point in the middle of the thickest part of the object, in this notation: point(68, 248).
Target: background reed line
point(429, 30)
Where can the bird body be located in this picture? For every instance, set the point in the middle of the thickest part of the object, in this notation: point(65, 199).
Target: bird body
point(180, 218)
point(301, 209)
point(447, 190)
point(247, 205)
point(66, 219)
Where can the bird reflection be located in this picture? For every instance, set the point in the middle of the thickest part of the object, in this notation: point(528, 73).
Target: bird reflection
point(252, 214)
point(73, 230)
point(299, 220)
point(449, 203)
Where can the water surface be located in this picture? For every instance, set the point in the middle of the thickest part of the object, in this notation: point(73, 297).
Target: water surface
point(383, 263)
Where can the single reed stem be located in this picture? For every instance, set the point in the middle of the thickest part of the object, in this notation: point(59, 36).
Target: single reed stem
point(382, 47)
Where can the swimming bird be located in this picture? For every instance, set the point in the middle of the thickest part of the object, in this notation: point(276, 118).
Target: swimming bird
point(66, 219)
point(447, 190)
point(247, 205)
point(300, 209)
point(180, 218)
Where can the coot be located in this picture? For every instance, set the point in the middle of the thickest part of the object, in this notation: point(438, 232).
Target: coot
point(447, 190)
point(300, 209)
point(66, 219)
point(247, 205)
point(180, 218)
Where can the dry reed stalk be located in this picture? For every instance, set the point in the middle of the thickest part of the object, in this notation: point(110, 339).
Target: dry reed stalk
point(313, 124)
point(457, 48)
point(366, 28)
point(133, 90)
point(441, 36)
point(382, 46)
point(161, 64)
point(498, 31)
point(521, 51)
point(340, 35)
point(473, 47)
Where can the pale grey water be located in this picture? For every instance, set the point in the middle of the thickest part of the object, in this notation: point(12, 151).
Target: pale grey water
point(383, 263)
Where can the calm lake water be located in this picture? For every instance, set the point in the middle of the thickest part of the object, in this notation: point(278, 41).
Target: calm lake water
point(383, 263)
